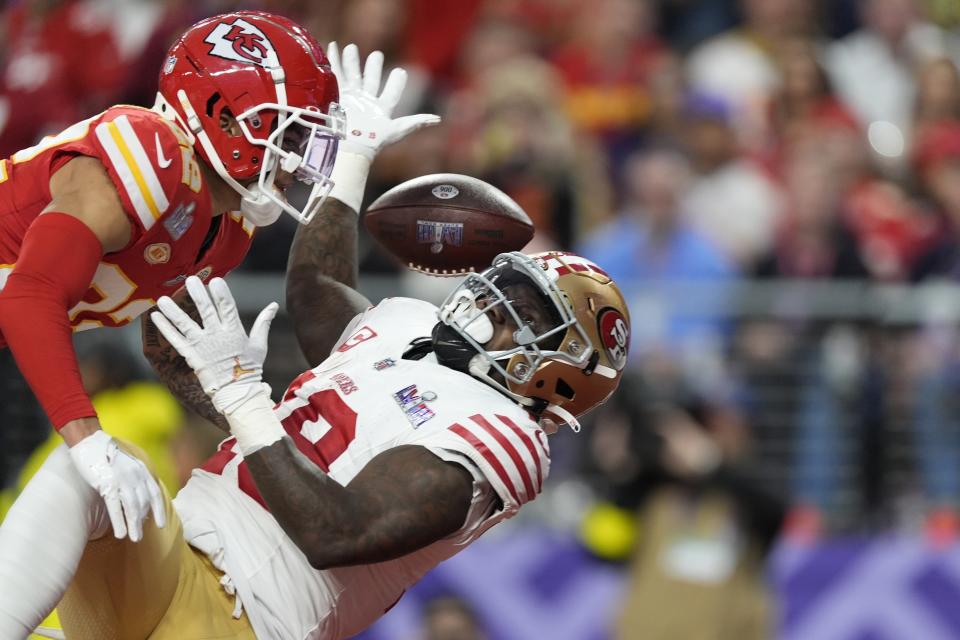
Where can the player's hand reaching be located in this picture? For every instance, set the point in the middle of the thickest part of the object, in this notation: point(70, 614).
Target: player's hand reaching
point(125, 484)
point(228, 362)
point(370, 121)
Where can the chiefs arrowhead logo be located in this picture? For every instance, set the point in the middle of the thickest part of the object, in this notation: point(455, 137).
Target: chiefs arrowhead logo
point(157, 253)
point(241, 41)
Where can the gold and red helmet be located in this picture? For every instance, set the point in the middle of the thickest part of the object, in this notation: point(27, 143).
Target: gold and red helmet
point(565, 361)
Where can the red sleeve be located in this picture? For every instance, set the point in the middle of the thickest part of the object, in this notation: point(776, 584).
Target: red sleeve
point(57, 262)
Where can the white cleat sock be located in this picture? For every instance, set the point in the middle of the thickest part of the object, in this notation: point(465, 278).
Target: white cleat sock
point(42, 540)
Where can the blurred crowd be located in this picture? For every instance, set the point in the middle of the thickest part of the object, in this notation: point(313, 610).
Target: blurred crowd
point(712, 142)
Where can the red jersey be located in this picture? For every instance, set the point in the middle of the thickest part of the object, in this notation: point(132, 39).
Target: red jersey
point(155, 172)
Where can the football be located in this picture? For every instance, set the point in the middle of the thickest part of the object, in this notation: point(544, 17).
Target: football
point(446, 224)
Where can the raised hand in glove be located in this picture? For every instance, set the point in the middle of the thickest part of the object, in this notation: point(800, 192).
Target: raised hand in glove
point(370, 122)
point(227, 361)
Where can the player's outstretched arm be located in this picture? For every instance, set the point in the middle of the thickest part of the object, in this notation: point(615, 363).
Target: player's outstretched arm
point(321, 280)
point(173, 370)
point(322, 270)
point(59, 256)
point(404, 499)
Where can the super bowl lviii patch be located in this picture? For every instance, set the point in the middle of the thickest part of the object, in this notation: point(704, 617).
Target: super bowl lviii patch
point(414, 405)
point(180, 220)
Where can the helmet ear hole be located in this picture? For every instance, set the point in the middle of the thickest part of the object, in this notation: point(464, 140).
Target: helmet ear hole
point(229, 123)
point(565, 390)
point(212, 102)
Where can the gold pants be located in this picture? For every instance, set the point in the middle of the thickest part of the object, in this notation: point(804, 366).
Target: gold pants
point(159, 588)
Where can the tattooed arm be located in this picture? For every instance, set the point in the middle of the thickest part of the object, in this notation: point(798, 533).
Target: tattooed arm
point(321, 279)
point(173, 370)
point(403, 500)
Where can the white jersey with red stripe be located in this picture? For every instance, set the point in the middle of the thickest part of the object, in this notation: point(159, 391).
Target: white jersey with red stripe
point(363, 400)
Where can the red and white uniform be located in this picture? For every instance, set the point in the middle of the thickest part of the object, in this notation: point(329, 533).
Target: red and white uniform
point(163, 193)
point(363, 400)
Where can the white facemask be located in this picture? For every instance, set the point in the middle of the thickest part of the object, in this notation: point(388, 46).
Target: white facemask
point(463, 312)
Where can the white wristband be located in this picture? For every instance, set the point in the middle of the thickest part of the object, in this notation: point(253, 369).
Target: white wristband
point(254, 425)
point(350, 178)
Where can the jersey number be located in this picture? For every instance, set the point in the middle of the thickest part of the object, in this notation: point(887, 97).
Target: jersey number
point(362, 334)
point(115, 289)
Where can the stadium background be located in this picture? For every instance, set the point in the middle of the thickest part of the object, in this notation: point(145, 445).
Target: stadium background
point(776, 186)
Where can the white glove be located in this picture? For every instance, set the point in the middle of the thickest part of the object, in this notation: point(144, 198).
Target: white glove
point(370, 125)
point(124, 483)
point(228, 363)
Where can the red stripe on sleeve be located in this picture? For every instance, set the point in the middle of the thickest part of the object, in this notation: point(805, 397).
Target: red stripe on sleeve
point(528, 443)
point(461, 431)
point(511, 451)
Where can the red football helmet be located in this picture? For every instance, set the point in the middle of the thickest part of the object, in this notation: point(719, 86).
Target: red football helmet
point(273, 77)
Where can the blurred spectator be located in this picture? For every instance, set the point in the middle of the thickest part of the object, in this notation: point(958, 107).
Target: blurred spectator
point(937, 162)
point(606, 66)
point(685, 23)
point(702, 525)
point(730, 199)
point(374, 25)
point(519, 140)
point(46, 83)
point(675, 279)
point(450, 618)
point(491, 43)
point(813, 240)
point(938, 94)
point(892, 229)
point(379, 25)
point(438, 49)
point(739, 65)
point(933, 353)
point(872, 69)
point(145, 31)
point(804, 105)
point(667, 95)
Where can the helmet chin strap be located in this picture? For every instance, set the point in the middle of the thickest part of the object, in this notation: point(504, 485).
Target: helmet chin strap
point(564, 416)
point(480, 368)
point(254, 203)
point(262, 211)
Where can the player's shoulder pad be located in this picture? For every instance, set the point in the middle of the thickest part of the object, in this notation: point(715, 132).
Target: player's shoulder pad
point(409, 308)
point(402, 319)
point(148, 158)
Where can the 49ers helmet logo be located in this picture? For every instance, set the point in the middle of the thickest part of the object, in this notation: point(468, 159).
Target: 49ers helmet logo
point(243, 42)
point(615, 335)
